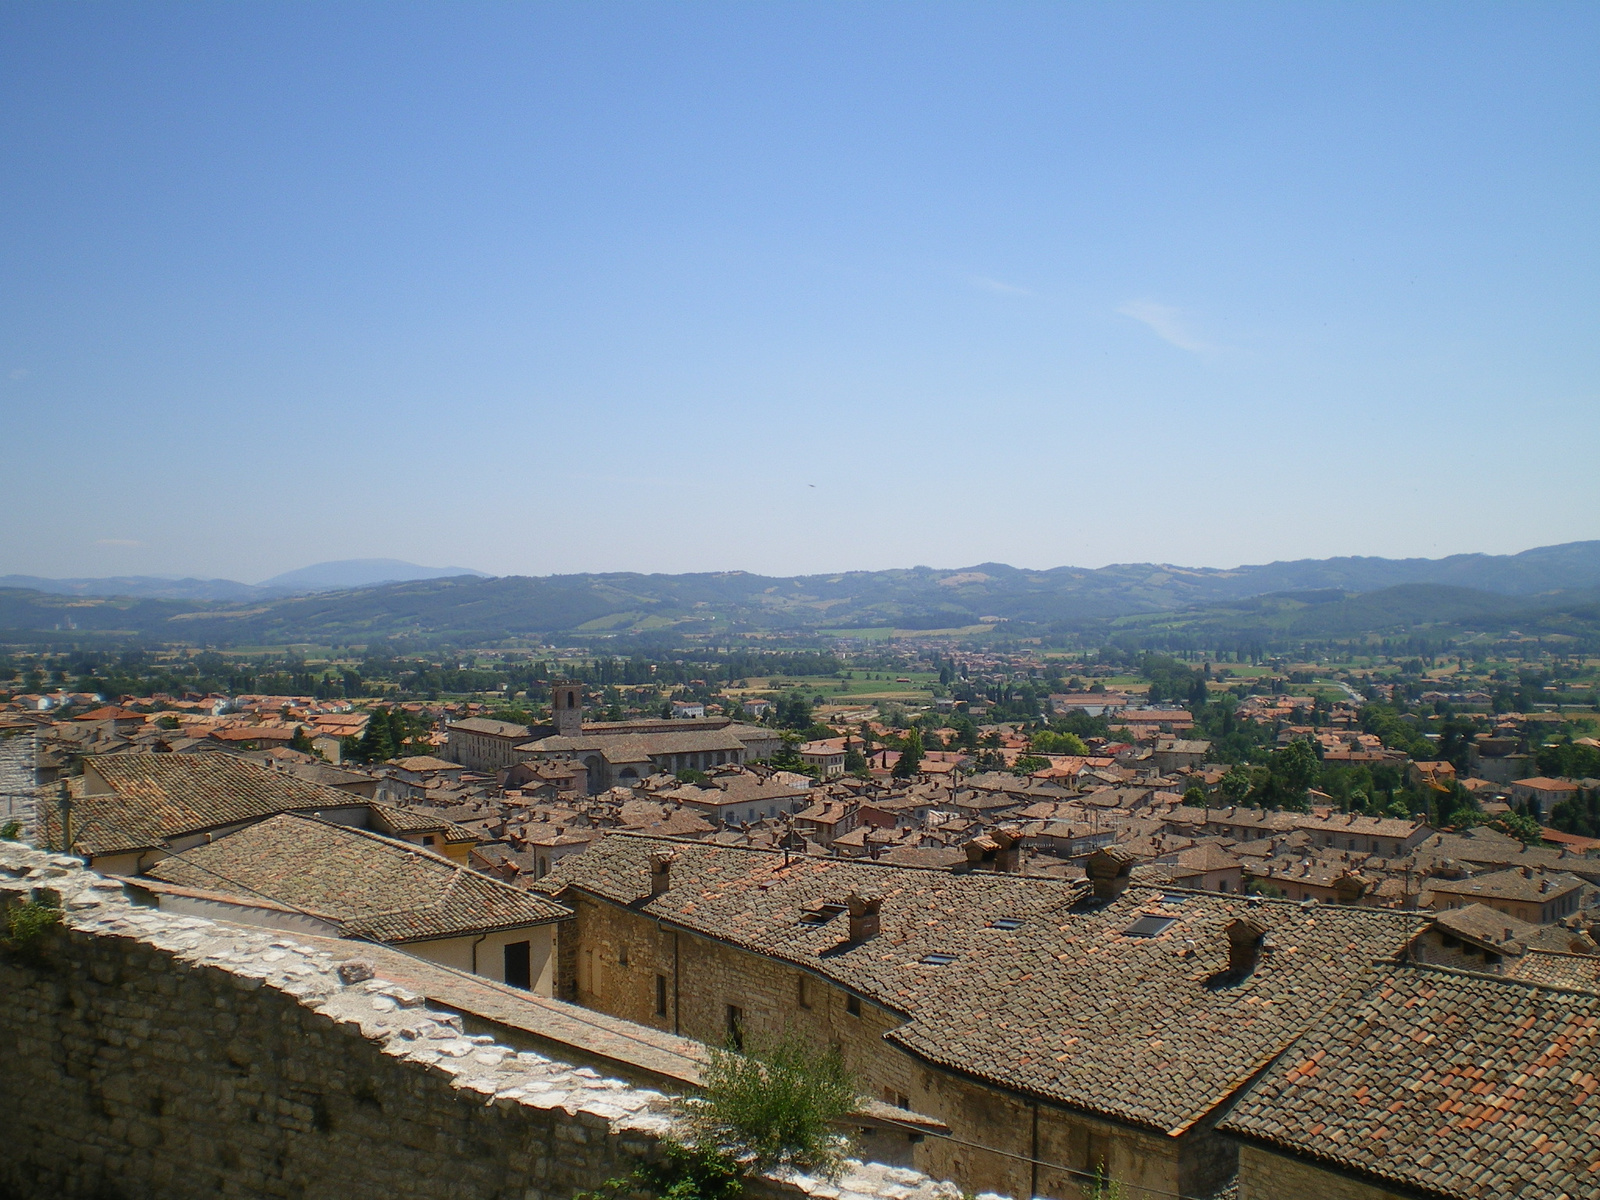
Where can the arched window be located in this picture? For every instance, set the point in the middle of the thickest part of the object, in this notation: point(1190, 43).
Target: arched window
point(572, 699)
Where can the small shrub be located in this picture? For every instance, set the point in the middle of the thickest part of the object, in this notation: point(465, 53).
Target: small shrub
point(683, 1173)
point(775, 1105)
point(692, 1173)
point(27, 925)
point(1103, 1187)
point(10, 831)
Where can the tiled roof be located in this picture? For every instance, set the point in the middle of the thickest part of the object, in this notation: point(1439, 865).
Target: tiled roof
point(372, 885)
point(426, 762)
point(638, 747)
point(490, 727)
point(1518, 883)
point(1486, 926)
point(1554, 968)
point(394, 819)
point(1463, 1085)
point(1067, 1006)
point(158, 796)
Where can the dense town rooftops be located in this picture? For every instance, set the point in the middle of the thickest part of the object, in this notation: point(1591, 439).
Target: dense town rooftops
point(1129, 1007)
point(1460, 1084)
point(1518, 883)
point(139, 801)
point(372, 886)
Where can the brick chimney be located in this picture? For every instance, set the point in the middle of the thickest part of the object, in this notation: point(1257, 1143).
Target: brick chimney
point(1350, 887)
point(1244, 945)
point(661, 871)
point(1008, 848)
point(1109, 870)
point(863, 916)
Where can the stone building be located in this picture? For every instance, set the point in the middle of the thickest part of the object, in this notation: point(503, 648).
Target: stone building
point(621, 753)
point(1054, 1027)
point(130, 811)
point(1529, 894)
point(310, 876)
point(485, 745)
point(1437, 1083)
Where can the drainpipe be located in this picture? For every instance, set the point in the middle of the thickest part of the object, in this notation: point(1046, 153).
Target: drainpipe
point(478, 939)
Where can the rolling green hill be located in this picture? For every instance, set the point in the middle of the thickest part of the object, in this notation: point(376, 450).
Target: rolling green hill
point(1128, 600)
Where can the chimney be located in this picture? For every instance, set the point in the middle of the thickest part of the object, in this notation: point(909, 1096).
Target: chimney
point(1109, 870)
point(1244, 945)
point(661, 871)
point(1350, 887)
point(1008, 848)
point(863, 916)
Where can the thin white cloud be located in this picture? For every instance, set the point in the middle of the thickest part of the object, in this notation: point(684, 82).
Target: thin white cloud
point(1005, 289)
point(120, 543)
point(1168, 324)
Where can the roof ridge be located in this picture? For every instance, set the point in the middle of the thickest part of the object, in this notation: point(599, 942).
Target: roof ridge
point(1483, 977)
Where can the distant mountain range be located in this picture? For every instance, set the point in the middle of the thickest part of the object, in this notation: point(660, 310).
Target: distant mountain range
point(361, 572)
point(1308, 598)
point(321, 577)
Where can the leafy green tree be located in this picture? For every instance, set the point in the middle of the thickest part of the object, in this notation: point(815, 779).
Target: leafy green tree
point(1296, 766)
point(1580, 814)
point(794, 711)
point(855, 762)
point(1047, 741)
point(1236, 785)
point(910, 755)
point(1567, 760)
point(301, 741)
point(1027, 764)
point(377, 742)
point(1520, 826)
point(787, 757)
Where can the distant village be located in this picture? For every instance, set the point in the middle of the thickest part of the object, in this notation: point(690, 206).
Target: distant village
point(934, 884)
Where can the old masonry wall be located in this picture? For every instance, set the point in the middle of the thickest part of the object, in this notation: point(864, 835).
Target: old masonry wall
point(144, 1054)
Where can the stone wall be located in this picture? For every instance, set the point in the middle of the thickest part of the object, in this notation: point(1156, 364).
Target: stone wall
point(18, 753)
point(1264, 1175)
point(144, 1054)
point(610, 959)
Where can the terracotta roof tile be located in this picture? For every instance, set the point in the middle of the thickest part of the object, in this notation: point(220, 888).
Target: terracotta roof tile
point(1058, 1006)
point(373, 886)
point(1461, 1085)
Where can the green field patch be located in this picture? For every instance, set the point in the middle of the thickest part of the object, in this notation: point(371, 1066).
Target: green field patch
point(609, 621)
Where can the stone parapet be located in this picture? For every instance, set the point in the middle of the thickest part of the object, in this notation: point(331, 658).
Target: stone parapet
point(149, 1054)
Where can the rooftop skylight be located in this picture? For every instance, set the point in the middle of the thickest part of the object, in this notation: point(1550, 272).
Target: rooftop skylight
point(1149, 926)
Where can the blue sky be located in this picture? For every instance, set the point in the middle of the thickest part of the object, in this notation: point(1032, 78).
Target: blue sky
point(793, 288)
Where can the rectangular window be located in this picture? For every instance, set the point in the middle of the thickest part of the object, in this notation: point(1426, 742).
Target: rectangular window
point(518, 965)
point(802, 991)
point(736, 1027)
point(852, 1005)
point(661, 995)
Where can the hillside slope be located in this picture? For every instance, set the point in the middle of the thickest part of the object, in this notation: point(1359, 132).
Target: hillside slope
point(1311, 598)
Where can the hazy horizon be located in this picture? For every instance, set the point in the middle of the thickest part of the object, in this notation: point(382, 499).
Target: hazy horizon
point(794, 289)
point(788, 574)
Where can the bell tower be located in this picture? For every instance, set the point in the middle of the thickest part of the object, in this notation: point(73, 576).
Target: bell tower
point(566, 708)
